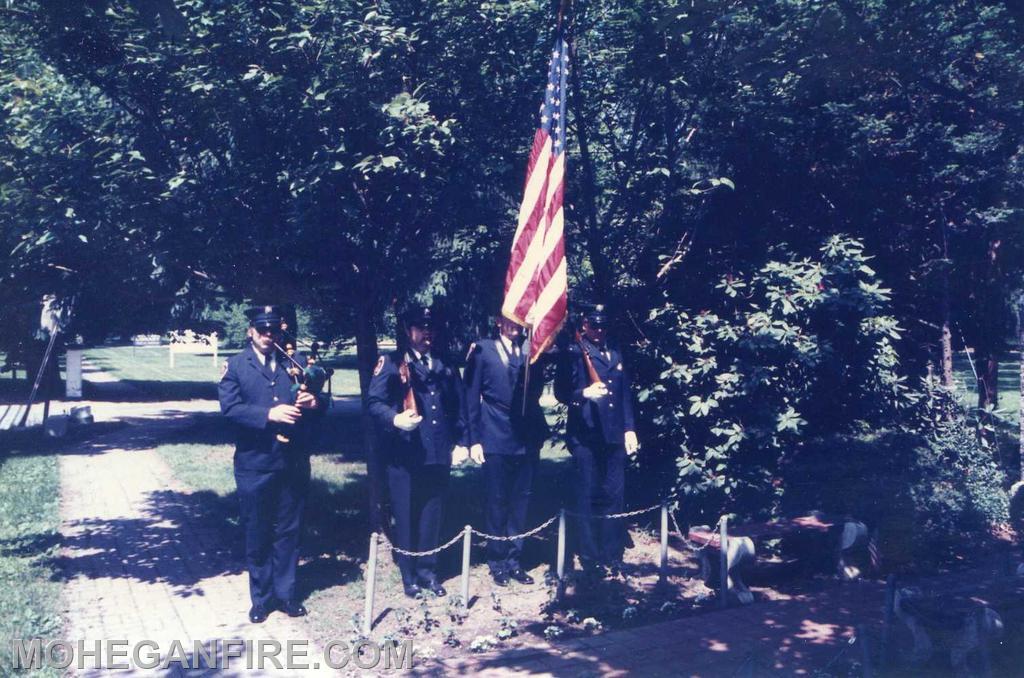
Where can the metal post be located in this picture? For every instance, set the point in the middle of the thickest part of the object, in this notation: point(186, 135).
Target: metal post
point(371, 583)
point(467, 536)
point(723, 548)
point(865, 651)
point(560, 567)
point(887, 620)
point(663, 565)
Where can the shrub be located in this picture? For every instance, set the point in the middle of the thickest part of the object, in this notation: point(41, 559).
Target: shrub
point(924, 491)
point(796, 349)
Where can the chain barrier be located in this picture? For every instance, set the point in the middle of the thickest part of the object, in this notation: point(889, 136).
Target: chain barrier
point(693, 546)
point(524, 535)
point(386, 543)
point(616, 516)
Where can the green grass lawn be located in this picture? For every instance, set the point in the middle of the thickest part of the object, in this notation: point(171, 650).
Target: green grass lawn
point(1009, 384)
point(193, 376)
point(29, 543)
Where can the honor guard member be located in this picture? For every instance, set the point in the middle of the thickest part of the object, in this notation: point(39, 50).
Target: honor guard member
point(595, 385)
point(416, 401)
point(505, 438)
point(273, 431)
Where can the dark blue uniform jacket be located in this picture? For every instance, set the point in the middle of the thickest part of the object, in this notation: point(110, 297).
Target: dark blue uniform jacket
point(494, 401)
point(439, 399)
point(246, 395)
point(610, 417)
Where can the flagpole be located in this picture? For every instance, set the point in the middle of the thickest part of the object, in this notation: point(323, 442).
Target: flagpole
point(529, 356)
point(561, 12)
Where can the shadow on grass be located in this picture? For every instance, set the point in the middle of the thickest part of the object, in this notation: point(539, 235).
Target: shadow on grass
point(183, 539)
point(144, 391)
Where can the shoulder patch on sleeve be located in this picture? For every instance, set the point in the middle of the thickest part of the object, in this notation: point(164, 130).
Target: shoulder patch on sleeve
point(379, 367)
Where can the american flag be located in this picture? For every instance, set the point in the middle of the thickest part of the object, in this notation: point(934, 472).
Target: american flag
point(536, 284)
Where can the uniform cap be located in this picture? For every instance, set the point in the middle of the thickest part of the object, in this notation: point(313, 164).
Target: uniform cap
point(265, 317)
point(420, 316)
point(597, 316)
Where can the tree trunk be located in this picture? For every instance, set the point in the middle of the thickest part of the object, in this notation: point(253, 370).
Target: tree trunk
point(946, 343)
point(991, 329)
point(366, 359)
point(598, 262)
point(946, 339)
point(1020, 413)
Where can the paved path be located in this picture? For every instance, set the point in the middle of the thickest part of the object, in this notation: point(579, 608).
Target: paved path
point(140, 559)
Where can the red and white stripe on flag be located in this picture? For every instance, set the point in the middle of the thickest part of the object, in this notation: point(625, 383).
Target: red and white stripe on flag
point(536, 284)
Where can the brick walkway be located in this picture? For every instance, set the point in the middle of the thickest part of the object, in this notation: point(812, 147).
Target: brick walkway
point(141, 559)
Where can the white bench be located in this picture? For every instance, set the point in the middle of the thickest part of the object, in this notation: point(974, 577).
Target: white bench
point(194, 343)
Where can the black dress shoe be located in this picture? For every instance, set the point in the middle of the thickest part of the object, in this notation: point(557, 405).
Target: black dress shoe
point(500, 578)
point(520, 575)
point(258, 614)
point(434, 587)
point(412, 590)
point(293, 608)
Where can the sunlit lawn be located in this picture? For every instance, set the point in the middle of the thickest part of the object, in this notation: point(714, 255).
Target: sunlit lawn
point(149, 369)
point(29, 544)
point(1009, 384)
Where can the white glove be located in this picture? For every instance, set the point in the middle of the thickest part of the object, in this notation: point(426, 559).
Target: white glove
point(407, 420)
point(632, 444)
point(476, 453)
point(460, 453)
point(595, 391)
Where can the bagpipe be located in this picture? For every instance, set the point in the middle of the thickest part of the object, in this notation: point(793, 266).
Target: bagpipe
point(310, 377)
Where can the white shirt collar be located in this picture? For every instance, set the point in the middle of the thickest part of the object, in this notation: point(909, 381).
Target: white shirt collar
point(416, 355)
point(510, 348)
point(263, 359)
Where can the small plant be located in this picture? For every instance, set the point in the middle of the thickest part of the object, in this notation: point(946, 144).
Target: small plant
point(449, 638)
point(630, 612)
point(591, 624)
point(483, 643)
point(668, 607)
point(356, 622)
point(428, 652)
point(552, 632)
point(403, 618)
point(496, 602)
point(551, 604)
point(456, 610)
point(572, 616)
point(509, 628)
point(426, 619)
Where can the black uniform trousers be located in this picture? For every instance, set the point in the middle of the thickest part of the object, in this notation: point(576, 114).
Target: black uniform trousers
point(509, 481)
point(417, 503)
point(600, 490)
point(272, 504)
